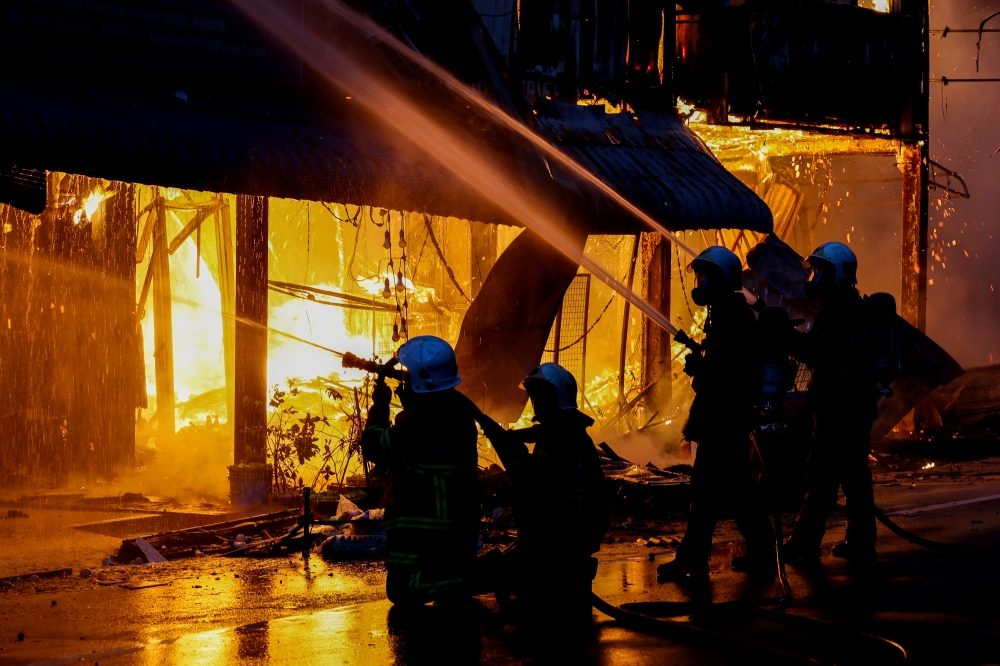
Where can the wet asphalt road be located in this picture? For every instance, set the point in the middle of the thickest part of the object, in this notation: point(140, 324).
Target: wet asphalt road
point(940, 607)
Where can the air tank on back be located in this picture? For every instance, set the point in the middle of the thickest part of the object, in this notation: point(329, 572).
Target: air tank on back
point(777, 371)
point(884, 339)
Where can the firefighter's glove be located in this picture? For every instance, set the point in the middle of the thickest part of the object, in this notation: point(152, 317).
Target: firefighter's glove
point(693, 364)
point(381, 393)
point(491, 428)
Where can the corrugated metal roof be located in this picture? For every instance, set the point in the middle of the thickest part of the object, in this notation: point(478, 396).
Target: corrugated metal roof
point(658, 164)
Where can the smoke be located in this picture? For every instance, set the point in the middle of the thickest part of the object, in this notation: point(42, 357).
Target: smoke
point(658, 433)
point(641, 448)
point(963, 303)
point(189, 467)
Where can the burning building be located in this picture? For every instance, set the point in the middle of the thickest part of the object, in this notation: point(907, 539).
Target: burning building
point(197, 207)
point(819, 107)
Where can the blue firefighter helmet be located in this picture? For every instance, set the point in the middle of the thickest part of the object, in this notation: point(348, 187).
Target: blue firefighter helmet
point(431, 364)
point(559, 377)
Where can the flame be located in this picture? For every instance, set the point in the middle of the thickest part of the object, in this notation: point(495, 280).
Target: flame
point(881, 6)
point(199, 364)
point(323, 324)
point(609, 108)
point(744, 148)
point(90, 204)
point(928, 466)
point(690, 113)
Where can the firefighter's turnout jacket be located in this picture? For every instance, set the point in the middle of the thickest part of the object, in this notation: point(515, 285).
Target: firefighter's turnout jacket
point(562, 509)
point(725, 378)
point(843, 399)
point(433, 511)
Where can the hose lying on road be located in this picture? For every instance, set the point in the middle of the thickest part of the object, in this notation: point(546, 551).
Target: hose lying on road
point(692, 635)
point(932, 545)
point(880, 650)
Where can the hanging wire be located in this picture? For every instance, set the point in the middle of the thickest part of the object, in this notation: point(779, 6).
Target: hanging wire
point(350, 219)
point(350, 264)
point(979, 42)
point(447, 268)
point(404, 270)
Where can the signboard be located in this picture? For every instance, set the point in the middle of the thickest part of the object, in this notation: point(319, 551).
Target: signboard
point(209, 37)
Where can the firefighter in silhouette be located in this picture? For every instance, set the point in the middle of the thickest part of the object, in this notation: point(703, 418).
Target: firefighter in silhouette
point(560, 480)
point(843, 401)
point(431, 455)
point(725, 374)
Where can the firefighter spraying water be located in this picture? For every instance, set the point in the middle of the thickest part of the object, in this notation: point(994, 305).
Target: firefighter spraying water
point(430, 452)
point(724, 377)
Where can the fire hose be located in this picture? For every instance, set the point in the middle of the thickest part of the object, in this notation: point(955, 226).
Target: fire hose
point(681, 631)
point(887, 651)
point(929, 544)
point(661, 624)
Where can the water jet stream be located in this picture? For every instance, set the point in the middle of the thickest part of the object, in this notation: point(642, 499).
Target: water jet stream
point(127, 286)
point(384, 101)
point(472, 96)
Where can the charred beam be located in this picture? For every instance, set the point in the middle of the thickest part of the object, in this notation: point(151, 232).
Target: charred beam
point(655, 341)
point(122, 370)
point(913, 301)
point(250, 410)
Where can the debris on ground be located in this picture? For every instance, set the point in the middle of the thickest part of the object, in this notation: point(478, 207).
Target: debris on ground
point(647, 490)
point(81, 501)
point(211, 539)
point(340, 546)
point(149, 552)
point(24, 578)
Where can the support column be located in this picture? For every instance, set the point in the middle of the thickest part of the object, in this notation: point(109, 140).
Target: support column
point(913, 159)
point(913, 293)
point(250, 413)
point(655, 253)
point(16, 361)
point(121, 352)
point(626, 311)
point(163, 328)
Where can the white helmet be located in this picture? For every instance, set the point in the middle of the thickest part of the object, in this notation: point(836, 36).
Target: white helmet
point(431, 364)
point(717, 260)
point(837, 256)
point(559, 377)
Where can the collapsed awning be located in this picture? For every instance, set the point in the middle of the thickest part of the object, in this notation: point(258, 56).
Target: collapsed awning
point(332, 151)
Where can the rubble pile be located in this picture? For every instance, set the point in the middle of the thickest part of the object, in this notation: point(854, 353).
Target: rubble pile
point(213, 539)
